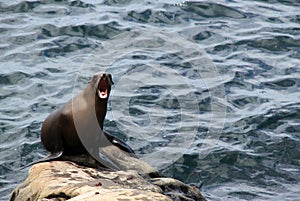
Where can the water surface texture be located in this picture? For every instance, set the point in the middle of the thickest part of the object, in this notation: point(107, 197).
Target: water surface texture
point(207, 91)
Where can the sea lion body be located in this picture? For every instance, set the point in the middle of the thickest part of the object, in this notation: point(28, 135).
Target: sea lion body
point(59, 132)
point(77, 127)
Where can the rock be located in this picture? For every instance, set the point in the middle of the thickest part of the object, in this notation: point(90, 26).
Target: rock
point(65, 180)
point(124, 160)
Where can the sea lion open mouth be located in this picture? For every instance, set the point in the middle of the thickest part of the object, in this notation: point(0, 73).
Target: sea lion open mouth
point(103, 88)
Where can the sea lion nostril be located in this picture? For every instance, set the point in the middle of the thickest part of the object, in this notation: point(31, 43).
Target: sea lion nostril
point(103, 76)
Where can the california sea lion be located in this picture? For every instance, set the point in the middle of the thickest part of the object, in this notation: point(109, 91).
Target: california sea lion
point(80, 122)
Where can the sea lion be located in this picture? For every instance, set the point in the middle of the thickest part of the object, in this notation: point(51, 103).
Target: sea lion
point(76, 128)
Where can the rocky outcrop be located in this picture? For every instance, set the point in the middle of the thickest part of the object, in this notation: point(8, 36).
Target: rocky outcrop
point(66, 180)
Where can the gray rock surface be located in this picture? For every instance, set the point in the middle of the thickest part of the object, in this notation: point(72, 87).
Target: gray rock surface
point(65, 180)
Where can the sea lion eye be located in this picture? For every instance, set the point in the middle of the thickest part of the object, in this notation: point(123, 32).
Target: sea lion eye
point(93, 79)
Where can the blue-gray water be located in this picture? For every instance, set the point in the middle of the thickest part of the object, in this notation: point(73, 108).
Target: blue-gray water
point(161, 95)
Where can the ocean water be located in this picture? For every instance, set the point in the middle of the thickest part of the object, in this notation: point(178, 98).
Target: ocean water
point(205, 91)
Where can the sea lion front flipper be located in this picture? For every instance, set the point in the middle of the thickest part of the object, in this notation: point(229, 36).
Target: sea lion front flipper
point(49, 157)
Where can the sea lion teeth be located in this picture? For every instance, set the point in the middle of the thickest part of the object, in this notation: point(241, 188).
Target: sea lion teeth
point(102, 94)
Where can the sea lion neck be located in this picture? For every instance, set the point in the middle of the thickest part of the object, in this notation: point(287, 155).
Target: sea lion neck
point(101, 110)
point(96, 104)
point(93, 100)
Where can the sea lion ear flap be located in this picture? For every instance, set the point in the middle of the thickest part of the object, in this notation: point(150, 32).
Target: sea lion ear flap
point(110, 77)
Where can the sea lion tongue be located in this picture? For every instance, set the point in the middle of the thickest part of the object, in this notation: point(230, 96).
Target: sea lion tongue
point(102, 88)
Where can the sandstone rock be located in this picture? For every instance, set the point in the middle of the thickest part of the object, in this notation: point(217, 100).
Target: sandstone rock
point(65, 180)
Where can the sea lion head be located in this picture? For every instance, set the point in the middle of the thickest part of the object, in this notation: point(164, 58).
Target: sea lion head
point(102, 83)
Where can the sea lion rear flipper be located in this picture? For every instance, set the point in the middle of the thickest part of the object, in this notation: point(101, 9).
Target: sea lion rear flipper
point(49, 157)
point(104, 156)
point(53, 156)
point(121, 144)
